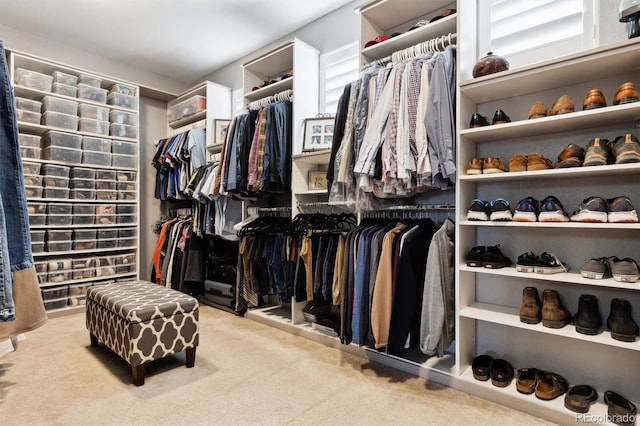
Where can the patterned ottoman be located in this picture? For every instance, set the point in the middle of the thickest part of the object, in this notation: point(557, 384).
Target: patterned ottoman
point(142, 322)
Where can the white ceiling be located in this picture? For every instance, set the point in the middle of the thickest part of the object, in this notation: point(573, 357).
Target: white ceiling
point(180, 39)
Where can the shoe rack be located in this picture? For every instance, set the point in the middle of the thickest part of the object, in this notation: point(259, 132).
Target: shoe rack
point(488, 300)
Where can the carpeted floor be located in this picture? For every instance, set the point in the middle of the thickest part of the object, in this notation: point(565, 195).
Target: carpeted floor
point(246, 373)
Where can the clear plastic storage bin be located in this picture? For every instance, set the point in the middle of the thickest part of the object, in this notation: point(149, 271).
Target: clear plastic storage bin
point(51, 192)
point(61, 139)
point(77, 183)
point(105, 174)
point(84, 209)
point(55, 182)
point(64, 78)
point(96, 144)
point(28, 104)
point(82, 194)
point(93, 126)
point(28, 116)
point(33, 191)
point(123, 131)
point(55, 170)
point(125, 263)
point(126, 161)
point(96, 158)
point(64, 106)
point(54, 297)
point(123, 148)
point(94, 112)
point(31, 152)
point(84, 234)
point(84, 219)
point(59, 214)
point(106, 195)
point(65, 89)
point(126, 195)
point(84, 244)
point(106, 214)
point(125, 176)
point(186, 108)
point(84, 268)
point(65, 155)
point(90, 80)
point(33, 180)
point(92, 93)
point(37, 219)
point(82, 173)
point(31, 168)
point(109, 185)
point(37, 208)
point(58, 235)
point(124, 89)
point(60, 120)
point(122, 100)
point(106, 265)
point(59, 220)
point(30, 140)
point(122, 117)
point(59, 209)
point(40, 267)
point(37, 236)
point(126, 186)
point(34, 80)
point(37, 247)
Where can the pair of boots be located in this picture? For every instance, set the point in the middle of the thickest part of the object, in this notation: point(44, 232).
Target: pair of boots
point(587, 320)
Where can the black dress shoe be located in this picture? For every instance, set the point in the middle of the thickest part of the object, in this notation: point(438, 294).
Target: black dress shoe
point(587, 319)
point(620, 322)
point(500, 117)
point(478, 120)
point(481, 367)
point(501, 373)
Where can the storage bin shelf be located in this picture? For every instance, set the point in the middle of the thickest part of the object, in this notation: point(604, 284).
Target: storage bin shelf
point(39, 129)
point(88, 280)
point(84, 166)
point(573, 172)
point(578, 120)
point(77, 201)
point(97, 250)
point(563, 277)
point(30, 93)
point(113, 225)
point(563, 225)
point(188, 120)
point(509, 317)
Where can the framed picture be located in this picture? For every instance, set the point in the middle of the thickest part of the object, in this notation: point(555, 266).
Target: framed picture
point(318, 134)
point(220, 127)
point(317, 180)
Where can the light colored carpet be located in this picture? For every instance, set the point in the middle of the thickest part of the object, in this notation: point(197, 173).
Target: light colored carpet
point(246, 373)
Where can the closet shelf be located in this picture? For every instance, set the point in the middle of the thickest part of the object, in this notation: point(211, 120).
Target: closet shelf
point(509, 317)
point(85, 166)
point(39, 129)
point(89, 280)
point(97, 251)
point(199, 116)
point(563, 277)
point(28, 92)
point(569, 70)
point(75, 201)
point(315, 157)
point(411, 38)
point(215, 148)
point(388, 14)
point(574, 172)
point(271, 89)
point(594, 118)
point(97, 226)
point(312, 192)
point(563, 225)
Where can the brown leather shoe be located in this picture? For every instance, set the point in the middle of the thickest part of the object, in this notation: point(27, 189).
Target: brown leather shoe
point(538, 109)
point(526, 380)
point(537, 161)
point(530, 308)
point(594, 99)
point(550, 386)
point(571, 156)
point(518, 163)
point(475, 166)
point(563, 105)
point(493, 165)
point(554, 314)
point(626, 94)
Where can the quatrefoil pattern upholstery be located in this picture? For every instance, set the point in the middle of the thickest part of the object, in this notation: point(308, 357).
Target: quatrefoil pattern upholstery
point(141, 321)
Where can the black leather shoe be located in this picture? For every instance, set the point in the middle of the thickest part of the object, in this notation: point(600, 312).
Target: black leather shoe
point(620, 322)
point(587, 320)
point(481, 367)
point(501, 373)
point(500, 117)
point(478, 120)
point(620, 409)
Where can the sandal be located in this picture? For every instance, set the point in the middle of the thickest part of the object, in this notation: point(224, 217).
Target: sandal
point(579, 398)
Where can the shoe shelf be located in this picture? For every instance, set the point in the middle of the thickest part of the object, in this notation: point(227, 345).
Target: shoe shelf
point(79, 201)
point(92, 251)
point(562, 277)
point(39, 129)
point(583, 67)
point(101, 226)
point(89, 280)
point(608, 170)
point(563, 225)
point(594, 118)
point(509, 317)
point(553, 410)
point(83, 165)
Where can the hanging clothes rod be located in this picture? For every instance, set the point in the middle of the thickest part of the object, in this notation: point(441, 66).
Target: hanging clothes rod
point(437, 44)
point(269, 211)
point(286, 95)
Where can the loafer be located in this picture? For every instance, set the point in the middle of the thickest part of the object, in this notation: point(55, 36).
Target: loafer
point(594, 99)
point(626, 94)
point(478, 120)
point(526, 380)
point(579, 398)
point(481, 367)
point(501, 373)
point(538, 110)
point(620, 409)
point(563, 105)
point(550, 386)
point(500, 117)
point(570, 151)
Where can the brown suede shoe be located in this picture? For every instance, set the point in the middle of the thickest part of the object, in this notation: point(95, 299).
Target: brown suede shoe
point(626, 94)
point(554, 314)
point(530, 308)
point(493, 165)
point(475, 166)
point(563, 105)
point(518, 163)
point(594, 99)
point(537, 161)
point(550, 386)
point(538, 109)
point(526, 380)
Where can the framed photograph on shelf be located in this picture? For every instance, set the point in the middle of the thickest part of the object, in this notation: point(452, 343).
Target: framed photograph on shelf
point(317, 180)
point(318, 134)
point(220, 127)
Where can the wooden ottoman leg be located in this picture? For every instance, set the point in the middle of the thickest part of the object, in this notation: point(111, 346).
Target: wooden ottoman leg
point(138, 372)
point(191, 357)
point(94, 340)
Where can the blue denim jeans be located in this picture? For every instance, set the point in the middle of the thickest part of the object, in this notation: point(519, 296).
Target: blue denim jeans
point(14, 220)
